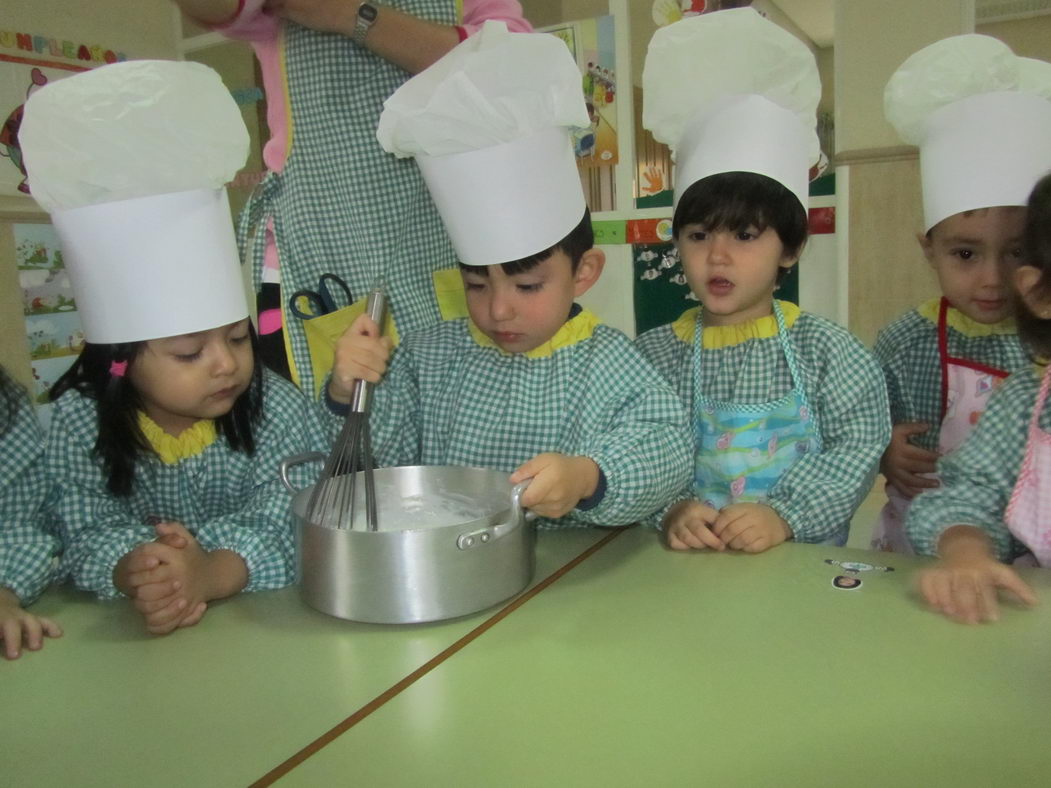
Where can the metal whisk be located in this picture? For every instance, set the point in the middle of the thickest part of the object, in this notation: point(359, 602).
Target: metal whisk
point(333, 501)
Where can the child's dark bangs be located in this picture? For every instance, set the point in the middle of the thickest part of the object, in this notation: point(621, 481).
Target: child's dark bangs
point(728, 201)
point(734, 214)
point(512, 267)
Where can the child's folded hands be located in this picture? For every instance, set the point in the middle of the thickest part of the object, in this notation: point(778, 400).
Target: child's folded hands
point(688, 524)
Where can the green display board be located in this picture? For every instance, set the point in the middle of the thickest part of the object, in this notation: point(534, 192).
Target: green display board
point(661, 293)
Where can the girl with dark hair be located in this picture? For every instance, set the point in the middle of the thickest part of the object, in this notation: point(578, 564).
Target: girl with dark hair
point(789, 411)
point(28, 545)
point(166, 436)
point(166, 452)
point(993, 505)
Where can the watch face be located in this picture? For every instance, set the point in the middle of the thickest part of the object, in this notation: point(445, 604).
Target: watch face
point(367, 11)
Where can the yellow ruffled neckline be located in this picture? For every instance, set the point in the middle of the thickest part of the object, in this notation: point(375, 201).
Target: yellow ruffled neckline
point(578, 328)
point(715, 337)
point(172, 449)
point(958, 321)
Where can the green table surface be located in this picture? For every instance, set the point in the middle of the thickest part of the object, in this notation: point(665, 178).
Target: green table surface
point(647, 667)
point(221, 703)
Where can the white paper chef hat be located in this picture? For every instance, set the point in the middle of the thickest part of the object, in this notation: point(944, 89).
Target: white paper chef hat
point(489, 125)
point(130, 160)
point(731, 91)
point(981, 117)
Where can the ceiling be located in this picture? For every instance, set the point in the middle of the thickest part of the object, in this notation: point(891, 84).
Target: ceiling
point(815, 17)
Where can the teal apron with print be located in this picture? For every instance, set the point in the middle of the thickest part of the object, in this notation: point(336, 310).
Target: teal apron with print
point(342, 204)
point(742, 449)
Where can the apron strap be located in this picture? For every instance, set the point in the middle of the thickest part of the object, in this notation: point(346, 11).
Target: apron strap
point(945, 359)
point(943, 352)
point(1041, 398)
point(786, 347)
point(254, 216)
point(790, 355)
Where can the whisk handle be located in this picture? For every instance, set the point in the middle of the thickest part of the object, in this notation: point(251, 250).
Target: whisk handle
point(376, 308)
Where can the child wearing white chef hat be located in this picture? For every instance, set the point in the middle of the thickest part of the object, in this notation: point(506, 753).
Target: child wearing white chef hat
point(788, 409)
point(982, 120)
point(992, 507)
point(525, 380)
point(165, 436)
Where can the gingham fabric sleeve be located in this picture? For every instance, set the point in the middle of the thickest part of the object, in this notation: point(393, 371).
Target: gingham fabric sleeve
point(261, 530)
point(228, 499)
point(671, 357)
point(637, 432)
point(455, 402)
point(96, 528)
point(28, 544)
point(394, 421)
point(818, 494)
point(978, 478)
point(907, 351)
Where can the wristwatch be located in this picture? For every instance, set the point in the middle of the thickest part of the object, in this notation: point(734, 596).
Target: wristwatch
point(367, 14)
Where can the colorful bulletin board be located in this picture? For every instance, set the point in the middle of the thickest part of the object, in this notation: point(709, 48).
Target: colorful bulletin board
point(28, 61)
point(591, 42)
point(52, 323)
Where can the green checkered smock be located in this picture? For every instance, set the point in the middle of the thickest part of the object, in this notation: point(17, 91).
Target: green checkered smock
point(907, 350)
point(817, 495)
point(342, 204)
point(448, 399)
point(227, 499)
point(28, 542)
point(978, 478)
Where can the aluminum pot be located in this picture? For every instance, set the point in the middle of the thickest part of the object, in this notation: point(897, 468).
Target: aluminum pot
point(451, 541)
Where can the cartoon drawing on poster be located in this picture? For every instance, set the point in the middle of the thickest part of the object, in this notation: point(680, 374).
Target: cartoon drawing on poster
point(661, 291)
point(51, 336)
point(53, 330)
point(19, 83)
point(28, 61)
point(592, 44)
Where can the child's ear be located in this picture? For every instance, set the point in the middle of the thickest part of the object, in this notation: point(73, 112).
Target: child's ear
point(788, 259)
point(589, 269)
point(926, 246)
point(1026, 280)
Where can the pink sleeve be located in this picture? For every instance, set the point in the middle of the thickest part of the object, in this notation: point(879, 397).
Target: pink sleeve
point(475, 12)
point(250, 23)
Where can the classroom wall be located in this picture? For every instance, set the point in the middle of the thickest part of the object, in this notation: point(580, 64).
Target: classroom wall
point(138, 28)
point(887, 273)
point(1030, 37)
point(877, 176)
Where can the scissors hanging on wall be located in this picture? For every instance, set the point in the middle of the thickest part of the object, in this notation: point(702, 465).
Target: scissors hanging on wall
point(332, 294)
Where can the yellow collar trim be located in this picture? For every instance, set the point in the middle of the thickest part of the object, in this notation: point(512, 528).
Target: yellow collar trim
point(576, 329)
point(958, 321)
point(715, 337)
point(170, 449)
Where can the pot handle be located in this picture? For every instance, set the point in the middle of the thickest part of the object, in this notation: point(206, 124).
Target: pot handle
point(486, 535)
point(292, 462)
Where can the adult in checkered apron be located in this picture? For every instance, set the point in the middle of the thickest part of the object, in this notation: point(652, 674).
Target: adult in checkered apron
point(333, 200)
